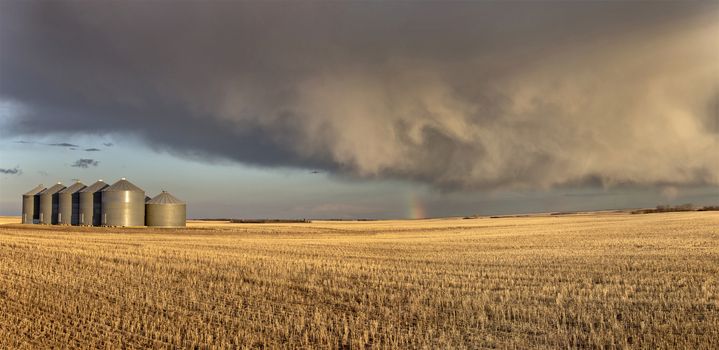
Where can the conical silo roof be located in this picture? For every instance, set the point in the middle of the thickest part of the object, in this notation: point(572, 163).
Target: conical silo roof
point(34, 191)
point(99, 185)
point(54, 189)
point(164, 198)
point(76, 187)
point(123, 185)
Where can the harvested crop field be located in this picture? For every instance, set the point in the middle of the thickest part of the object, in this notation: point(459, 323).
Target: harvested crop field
point(594, 280)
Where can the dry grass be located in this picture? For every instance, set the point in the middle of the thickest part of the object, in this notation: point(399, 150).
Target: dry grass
point(611, 280)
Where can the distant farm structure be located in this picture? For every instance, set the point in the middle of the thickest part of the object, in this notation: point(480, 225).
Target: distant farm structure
point(121, 204)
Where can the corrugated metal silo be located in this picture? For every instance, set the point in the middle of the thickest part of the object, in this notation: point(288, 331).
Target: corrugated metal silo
point(91, 204)
point(123, 204)
point(49, 201)
point(69, 204)
point(165, 211)
point(31, 205)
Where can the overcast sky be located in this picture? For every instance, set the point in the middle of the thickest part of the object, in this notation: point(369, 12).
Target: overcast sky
point(365, 109)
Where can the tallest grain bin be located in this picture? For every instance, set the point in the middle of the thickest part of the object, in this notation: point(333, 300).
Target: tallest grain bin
point(123, 204)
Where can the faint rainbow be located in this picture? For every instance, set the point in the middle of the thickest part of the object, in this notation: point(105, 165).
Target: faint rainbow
point(415, 207)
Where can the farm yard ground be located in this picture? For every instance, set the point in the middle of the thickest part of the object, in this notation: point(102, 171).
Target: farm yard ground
point(589, 280)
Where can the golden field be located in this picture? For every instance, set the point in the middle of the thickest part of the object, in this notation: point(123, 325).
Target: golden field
point(609, 280)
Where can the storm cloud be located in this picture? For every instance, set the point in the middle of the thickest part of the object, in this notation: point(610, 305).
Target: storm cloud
point(456, 95)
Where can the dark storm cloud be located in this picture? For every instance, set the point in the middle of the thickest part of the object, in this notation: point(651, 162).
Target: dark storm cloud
point(470, 95)
point(11, 171)
point(85, 163)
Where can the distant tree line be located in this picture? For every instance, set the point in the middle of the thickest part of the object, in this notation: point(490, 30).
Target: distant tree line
point(681, 207)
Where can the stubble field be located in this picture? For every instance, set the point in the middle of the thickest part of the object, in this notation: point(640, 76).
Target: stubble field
point(601, 280)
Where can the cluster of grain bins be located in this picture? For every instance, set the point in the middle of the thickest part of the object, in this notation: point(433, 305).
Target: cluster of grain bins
point(100, 204)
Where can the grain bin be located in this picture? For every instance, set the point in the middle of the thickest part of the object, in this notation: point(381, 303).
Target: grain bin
point(31, 205)
point(91, 204)
point(165, 211)
point(69, 204)
point(123, 204)
point(49, 201)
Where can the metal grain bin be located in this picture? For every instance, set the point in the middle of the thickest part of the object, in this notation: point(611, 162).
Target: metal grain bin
point(165, 211)
point(49, 202)
point(69, 204)
point(31, 205)
point(91, 204)
point(123, 204)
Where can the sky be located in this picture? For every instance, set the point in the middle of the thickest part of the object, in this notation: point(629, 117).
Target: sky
point(365, 109)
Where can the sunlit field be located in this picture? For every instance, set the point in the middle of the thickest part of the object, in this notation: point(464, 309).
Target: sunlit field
point(594, 280)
